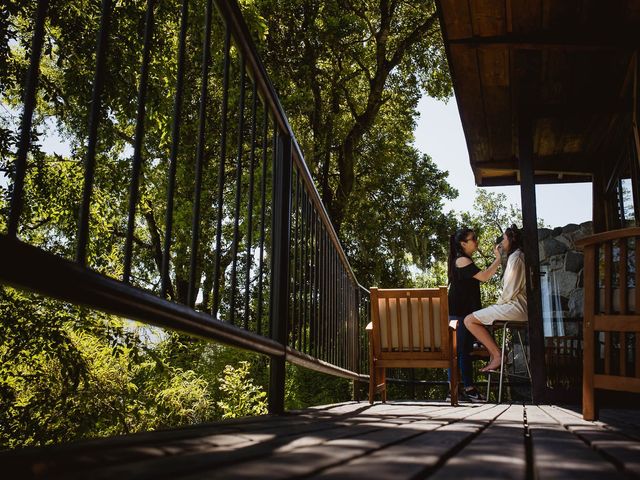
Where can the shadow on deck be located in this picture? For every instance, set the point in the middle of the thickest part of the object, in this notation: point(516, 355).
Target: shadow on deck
point(355, 440)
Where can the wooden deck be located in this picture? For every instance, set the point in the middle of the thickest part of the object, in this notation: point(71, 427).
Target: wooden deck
point(354, 440)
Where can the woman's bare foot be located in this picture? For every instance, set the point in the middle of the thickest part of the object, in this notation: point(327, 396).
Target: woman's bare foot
point(494, 364)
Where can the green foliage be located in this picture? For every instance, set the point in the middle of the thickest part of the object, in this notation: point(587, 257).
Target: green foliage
point(306, 388)
point(185, 399)
point(241, 397)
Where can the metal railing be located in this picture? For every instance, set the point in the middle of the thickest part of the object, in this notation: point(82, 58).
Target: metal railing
point(265, 271)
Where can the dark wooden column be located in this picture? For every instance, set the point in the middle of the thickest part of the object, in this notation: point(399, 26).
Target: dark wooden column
point(532, 260)
point(599, 211)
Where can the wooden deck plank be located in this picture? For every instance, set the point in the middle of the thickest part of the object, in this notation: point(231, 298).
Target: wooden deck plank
point(306, 461)
point(559, 454)
point(419, 454)
point(621, 450)
point(498, 452)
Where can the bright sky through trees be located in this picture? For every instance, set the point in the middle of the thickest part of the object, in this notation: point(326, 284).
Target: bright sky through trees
point(439, 134)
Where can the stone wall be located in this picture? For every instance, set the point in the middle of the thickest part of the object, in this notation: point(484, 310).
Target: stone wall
point(562, 286)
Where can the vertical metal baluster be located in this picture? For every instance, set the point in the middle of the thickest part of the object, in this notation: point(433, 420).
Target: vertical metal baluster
point(338, 309)
point(303, 259)
point(318, 289)
point(252, 167)
point(296, 240)
point(195, 224)
point(175, 144)
point(263, 207)
point(274, 154)
point(309, 243)
point(330, 309)
point(325, 296)
point(326, 329)
point(139, 137)
point(94, 119)
point(236, 215)
point(343, 298)
point(341, 314)
point(313, 327)
point(329, 299)
point(325, 303)
point(29, 105)
point(312, 315)
point(221, 170)
point(339, 295)
point(332, 306)
point(320, 292)
point(354, 330)
point(337, 300)
point(343, 322)
point(348, 322)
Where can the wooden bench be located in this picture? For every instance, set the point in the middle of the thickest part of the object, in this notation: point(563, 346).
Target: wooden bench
point(410, 329)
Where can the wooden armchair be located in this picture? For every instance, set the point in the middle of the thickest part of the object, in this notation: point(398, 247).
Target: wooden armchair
point(410, 329)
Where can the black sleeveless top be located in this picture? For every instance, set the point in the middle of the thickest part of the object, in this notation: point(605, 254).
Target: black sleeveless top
point(464, 291)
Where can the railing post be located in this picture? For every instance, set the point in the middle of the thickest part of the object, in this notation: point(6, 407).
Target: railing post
point(280, 288)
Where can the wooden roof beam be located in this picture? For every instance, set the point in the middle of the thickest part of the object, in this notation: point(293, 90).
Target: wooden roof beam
point(591, 107)
point(545, 179)
point(569, 42)
point(569, 164)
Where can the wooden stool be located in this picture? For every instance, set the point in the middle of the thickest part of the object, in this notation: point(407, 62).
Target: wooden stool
point(512, 326)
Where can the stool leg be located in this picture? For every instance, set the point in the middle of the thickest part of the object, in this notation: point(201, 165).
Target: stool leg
point(526, 359)
point(504, 340)
point(488, 386)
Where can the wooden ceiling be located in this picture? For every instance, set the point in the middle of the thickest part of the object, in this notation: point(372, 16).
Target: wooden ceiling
point(568, 64)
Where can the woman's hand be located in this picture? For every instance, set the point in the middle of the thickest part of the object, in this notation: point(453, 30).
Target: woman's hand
point(497, 251)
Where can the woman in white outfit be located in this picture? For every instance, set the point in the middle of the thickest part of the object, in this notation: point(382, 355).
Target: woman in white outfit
point(512, 304)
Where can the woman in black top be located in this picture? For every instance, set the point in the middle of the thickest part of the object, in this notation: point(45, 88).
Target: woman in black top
point(464, 298)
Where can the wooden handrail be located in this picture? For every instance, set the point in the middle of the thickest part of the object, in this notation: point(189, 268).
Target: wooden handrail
point(608, 236)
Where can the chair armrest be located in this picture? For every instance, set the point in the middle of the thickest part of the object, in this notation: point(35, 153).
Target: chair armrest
point(369, 326)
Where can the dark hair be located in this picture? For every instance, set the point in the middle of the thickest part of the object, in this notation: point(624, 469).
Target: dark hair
point(455, 249)
point(514, 234)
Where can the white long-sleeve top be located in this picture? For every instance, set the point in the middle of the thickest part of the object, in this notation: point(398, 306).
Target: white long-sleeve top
point(512, 304)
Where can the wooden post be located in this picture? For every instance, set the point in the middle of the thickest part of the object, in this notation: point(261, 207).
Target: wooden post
point(588, 405)
point(280, 290)
point(532, 258)
point(598, 202)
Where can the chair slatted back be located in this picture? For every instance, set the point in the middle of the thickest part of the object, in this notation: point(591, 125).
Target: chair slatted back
point(410, 322)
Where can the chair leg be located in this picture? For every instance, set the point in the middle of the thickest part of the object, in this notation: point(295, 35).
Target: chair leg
point(383, 377)
point(526, 359)
point(488, 386)
point(504, 341)
point(372, 384)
